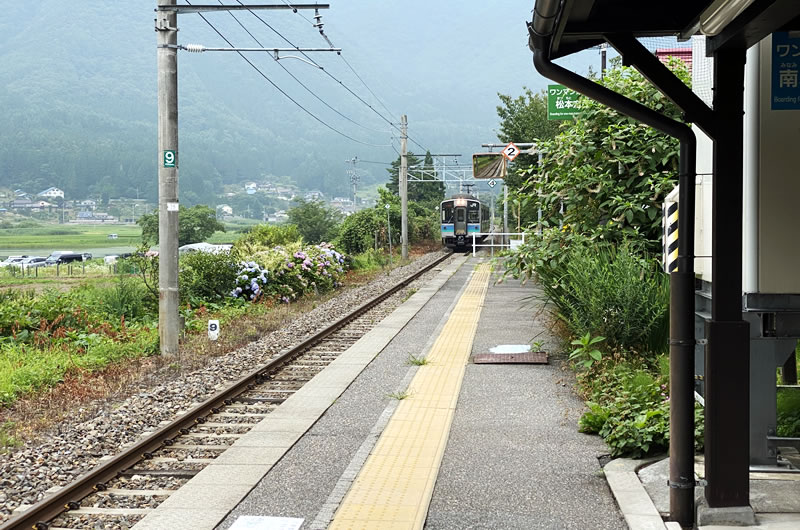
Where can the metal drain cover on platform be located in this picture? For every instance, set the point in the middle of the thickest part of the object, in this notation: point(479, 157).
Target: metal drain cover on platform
point(511, 354)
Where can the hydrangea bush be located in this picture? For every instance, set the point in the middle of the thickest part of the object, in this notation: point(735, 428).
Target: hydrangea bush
point(293, 271)
point(250, 282)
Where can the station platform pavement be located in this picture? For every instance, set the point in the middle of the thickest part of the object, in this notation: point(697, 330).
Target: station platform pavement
point(377, 442)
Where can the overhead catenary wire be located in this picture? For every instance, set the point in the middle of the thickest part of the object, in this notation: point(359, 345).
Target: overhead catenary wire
point(279, 89)
point(299, 81)
point(318, 25)
point(372, 108)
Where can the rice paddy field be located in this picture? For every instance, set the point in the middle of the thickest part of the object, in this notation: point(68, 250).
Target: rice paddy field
point(40, 239)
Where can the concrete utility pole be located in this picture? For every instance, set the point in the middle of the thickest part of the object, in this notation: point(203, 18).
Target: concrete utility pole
point(506, 238)
point(353, 174)
point(167, 38)
point(404, 184)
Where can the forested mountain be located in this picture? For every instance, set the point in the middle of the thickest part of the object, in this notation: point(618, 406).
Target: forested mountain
point(78, 93)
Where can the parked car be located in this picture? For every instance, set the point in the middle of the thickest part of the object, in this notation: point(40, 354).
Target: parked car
point(60, 257)
point(12, 260)
point(33, 261)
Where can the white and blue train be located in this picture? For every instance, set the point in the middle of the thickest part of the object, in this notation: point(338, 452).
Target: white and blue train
point(461, 216)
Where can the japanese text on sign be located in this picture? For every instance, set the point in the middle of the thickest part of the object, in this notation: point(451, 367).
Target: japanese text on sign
point(562, 102)
point(785, 68)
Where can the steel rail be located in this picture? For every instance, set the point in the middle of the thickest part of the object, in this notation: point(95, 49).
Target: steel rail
point(69, 497)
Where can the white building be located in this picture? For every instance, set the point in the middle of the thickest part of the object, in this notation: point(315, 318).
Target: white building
point(51, 193)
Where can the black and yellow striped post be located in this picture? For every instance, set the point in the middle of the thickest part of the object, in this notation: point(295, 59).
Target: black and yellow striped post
point(670, 236)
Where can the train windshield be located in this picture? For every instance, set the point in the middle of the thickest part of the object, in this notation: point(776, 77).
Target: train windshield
point(474, 212)
point(447, 212)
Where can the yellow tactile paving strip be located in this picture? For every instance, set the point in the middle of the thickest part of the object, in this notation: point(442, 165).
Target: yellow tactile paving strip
point(394, 488)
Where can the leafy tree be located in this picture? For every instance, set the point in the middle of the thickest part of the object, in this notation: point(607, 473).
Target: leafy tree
point(315, 220)
point(524, 119)
point(610, 172)
point(394, 173)
point(357, 232)
point(429, 193)
point(195, 225)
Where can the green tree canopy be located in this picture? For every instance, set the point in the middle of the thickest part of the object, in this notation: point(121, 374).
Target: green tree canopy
point(428, 193)
point(315, 220)
point(195, 224)
point(610, 172)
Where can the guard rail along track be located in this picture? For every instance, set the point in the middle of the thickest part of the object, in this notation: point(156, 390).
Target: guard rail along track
point(244, 403)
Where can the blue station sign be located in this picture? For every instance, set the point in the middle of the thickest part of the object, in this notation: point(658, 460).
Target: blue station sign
point(785, 68)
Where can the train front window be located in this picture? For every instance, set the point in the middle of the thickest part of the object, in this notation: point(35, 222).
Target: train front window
point(447, 214)
point(460, 215)
point(474, 212)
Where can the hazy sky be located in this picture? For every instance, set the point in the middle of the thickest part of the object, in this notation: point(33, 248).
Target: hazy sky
point(438, 62)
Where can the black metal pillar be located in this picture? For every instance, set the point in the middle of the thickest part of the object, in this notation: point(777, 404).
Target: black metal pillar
point(727, 389)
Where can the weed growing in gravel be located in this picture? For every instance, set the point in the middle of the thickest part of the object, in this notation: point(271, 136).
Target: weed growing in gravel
point(409, 294)
point(399, 395)
point(7, 439)
point(413, 360)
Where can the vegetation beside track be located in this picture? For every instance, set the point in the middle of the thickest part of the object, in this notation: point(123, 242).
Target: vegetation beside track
point(599, 185)
point(64, 341)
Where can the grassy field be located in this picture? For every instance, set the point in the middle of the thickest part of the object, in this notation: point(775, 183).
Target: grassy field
point(41, 239)
point(32, 238)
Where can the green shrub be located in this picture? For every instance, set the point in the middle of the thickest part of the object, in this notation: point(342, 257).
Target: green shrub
point(126, 299)
point(207, 277)
point(629, 407)
point(789, 412)
point(262, 237)
point(368, 260)
point(25, 368)
point(610, 292)
point(357, 233)
point(592, 421)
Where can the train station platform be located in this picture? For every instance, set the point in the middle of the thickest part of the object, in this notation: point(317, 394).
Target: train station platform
point(382, 439)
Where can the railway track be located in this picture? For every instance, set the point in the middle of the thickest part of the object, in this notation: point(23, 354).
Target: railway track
point(126, 487)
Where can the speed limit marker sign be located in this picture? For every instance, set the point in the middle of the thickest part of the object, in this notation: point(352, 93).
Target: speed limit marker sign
point(511, 151)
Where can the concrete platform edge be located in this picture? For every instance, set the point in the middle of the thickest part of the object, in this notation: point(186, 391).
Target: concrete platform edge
point(635, 504)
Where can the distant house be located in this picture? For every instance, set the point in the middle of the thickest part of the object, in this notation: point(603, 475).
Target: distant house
point(21, 194)
point(20, 204)
point(51, 193)
point(278, 217)
point(224, 209)
point(88, 204)
point(342, 204)
point(27, 204)
point(250, 188)
point(314, 195)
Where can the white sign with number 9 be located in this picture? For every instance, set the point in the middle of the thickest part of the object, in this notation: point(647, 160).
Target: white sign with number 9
point(213, 329)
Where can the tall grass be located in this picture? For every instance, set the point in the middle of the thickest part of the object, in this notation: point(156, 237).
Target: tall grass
point(614, 293)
